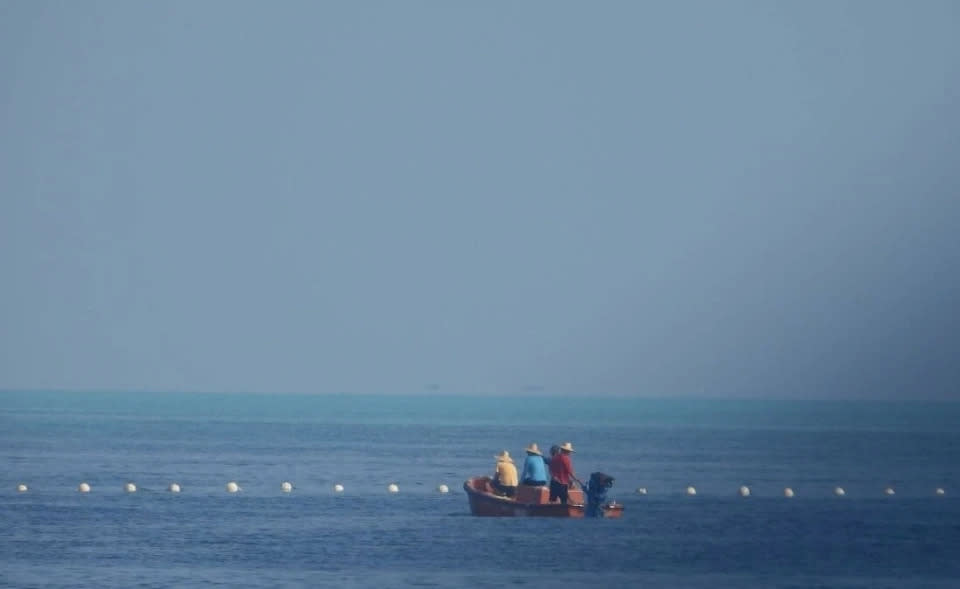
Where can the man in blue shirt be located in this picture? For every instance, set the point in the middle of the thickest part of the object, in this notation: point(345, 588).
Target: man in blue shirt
point(534, 469)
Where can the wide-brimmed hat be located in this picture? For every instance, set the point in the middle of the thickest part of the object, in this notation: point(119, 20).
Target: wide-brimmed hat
point(533, 449)
point(504, 457)
point(566, 446)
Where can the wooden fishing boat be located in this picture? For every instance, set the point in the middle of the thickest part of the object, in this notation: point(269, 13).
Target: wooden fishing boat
point(529, 502)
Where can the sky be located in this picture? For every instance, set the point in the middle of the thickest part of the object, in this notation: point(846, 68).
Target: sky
point(669, 199)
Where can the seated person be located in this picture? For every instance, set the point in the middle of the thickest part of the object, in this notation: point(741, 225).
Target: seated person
point(505, 475)
point(534, 469)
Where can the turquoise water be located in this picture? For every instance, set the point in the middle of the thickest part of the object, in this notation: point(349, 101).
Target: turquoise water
point(54, 536)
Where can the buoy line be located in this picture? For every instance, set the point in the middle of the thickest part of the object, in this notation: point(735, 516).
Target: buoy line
point(233, 487)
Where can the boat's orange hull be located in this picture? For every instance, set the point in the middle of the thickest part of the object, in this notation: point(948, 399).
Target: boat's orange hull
point(530, 502)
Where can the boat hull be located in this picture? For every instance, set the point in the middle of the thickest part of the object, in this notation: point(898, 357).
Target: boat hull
point(530, 502)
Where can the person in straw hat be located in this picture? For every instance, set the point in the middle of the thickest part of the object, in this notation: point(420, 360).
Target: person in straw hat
point(534, 468)
point(561, 473)
point(505, 475)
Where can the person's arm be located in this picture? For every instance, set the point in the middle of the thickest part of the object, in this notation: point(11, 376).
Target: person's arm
point(569, 465)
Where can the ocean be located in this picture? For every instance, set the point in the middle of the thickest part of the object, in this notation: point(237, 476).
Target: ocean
point(54, 536)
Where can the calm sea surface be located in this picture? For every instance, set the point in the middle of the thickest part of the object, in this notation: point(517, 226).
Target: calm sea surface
point(53, 536)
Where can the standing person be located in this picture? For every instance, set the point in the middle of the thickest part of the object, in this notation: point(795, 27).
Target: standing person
point(561, 473)
point(554, 450)
point(505, 475)
point(534, 469)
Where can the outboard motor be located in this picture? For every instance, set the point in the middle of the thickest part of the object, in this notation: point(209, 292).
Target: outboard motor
point(596, 492)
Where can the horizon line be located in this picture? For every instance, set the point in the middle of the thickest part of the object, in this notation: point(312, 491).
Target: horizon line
point(492, 394)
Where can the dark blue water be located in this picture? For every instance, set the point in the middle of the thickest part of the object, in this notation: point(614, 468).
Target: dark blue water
point(54, 536)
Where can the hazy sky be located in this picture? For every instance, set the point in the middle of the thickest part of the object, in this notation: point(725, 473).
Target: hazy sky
point(653, 198)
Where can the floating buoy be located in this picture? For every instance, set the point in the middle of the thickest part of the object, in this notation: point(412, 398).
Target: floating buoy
point(839, 492)
point(393, 488)
point(130, 488)
point(338, 488)
point(443, 488)
point(691, 491)
point(788, 492)
point(889, 491)
point(232, 487)
point(940, 491)
point(744, 491)
point(286, 487)
point(83, 488)
point(641, 490)
point(174, 488)
point(21, 488)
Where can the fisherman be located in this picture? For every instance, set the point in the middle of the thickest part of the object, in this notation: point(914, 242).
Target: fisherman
point(534, 469)
point(561, 473)
point(554, 450)
point(505, 475)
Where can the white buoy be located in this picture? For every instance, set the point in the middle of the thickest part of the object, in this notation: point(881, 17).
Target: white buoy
point(889, 491)
point(788, 492)
point(338, 488)
point(286, 487)
point(83, 488)
point(21, 488)
point(744, 491)
point(174, 488)
point(130, 488)
point(393, 488)
point(232, 487)
point(691, 491)
point(940, 491)
point(443, 489)
point(839, 492)
point(641, 490)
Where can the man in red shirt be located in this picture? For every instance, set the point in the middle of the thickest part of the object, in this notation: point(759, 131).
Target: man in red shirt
point(561, 473)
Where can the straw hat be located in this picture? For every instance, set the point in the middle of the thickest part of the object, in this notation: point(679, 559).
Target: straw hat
point(533, 449)
point(503, 457)
point(566, 446)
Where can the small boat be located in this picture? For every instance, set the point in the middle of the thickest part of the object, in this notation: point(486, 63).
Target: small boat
point(533, 501)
